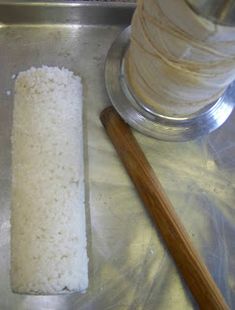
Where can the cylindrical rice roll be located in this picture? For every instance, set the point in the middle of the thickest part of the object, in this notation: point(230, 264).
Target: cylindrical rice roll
point(48, 229)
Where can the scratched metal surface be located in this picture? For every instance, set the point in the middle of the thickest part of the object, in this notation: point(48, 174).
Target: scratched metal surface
point(129, 266)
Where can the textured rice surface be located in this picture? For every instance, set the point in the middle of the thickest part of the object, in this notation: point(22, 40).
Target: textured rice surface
point(48, 237)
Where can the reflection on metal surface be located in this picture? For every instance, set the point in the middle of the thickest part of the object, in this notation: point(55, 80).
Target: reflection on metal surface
point(129, 266)
point(163, 127)
point(63, 13)
point(219, 11)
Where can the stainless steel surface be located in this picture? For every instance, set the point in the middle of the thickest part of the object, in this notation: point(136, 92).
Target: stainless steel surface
point(64, 13)
point(129, 266)
point(219, 11)
point(143, 119)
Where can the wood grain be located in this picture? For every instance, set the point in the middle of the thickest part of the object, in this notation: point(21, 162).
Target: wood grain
point(187, 259)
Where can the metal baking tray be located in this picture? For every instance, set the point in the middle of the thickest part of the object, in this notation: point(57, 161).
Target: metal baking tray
point(129, 265)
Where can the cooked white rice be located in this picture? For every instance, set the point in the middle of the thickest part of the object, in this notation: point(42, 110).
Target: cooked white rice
point(48, 229)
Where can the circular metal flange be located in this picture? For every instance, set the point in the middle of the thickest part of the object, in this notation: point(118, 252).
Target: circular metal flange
point(163, 127)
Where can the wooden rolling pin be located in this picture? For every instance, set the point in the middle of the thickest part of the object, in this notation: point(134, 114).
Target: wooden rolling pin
point(187, 259)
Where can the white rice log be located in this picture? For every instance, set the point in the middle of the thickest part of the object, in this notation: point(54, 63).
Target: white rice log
point(48, 229)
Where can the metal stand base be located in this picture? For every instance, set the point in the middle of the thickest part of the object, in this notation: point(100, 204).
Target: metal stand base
point(159, 126)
